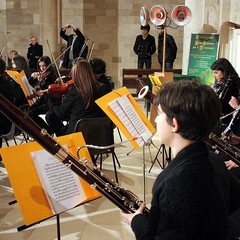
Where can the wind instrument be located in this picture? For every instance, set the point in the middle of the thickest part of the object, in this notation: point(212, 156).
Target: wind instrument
point(216, 143)
point(122, 198)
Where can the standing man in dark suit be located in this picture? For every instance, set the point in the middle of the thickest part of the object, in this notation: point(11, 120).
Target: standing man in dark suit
point(35, 51)
point(145, 47)
point(77, 40)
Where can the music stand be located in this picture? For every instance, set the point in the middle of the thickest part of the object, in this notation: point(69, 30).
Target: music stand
point(165, 155)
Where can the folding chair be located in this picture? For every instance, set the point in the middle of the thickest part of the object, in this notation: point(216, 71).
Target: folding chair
point(98, 132)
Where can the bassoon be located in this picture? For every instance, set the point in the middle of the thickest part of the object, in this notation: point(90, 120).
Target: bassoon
point(217, 144)
point(122, 198)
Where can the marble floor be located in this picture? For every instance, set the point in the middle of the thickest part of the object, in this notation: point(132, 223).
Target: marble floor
point(99, 219)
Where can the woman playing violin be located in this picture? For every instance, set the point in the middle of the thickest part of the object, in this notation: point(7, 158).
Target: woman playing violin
point(40, 81)
point(79, 101)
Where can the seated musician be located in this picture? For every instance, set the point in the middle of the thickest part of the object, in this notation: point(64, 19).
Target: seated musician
point(191, 197)
point(226, 84)
point(99, 70)
point(20, 64)
point(231, 136)
point(79, 101)
point(6, 89)
point(41, 80)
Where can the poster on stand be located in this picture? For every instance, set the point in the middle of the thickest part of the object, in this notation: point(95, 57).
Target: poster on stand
point(203, 52)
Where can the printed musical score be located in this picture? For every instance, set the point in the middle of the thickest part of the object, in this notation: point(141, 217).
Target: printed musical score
point(61, 185)
point(129, 117)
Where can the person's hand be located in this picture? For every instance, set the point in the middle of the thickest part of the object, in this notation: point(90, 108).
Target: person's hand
point(127, 217)
point(65, 27)
point(231, 138)
point(230, 164)
point(233, 102)
point(35, 74)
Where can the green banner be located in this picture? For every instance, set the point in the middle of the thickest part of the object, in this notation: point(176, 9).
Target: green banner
point(203, 52)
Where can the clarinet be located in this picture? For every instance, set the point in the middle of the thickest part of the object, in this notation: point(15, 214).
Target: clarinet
point(223, 91)
point(232, 126)
point(122, 198)
point(220, 146)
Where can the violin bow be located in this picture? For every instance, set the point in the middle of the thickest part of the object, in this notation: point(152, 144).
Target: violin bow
point(3, 48)
point(55, 59)
point(83, 48)
point(90, 52)
point(59, 75)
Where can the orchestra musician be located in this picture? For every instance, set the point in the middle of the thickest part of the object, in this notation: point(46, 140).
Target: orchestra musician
point(195, 194)
point(12, 54)
point(20, 64)
point(99, 70)
point(41, 80)
point(226, 85)
point(79, 101)
point(7, 89)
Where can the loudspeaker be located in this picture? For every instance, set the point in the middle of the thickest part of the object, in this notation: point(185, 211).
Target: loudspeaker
point(181, 15)
point(144, 16)
point(158, 15)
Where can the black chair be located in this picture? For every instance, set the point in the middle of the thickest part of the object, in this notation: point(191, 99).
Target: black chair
point(15, 132)
point(98, 132)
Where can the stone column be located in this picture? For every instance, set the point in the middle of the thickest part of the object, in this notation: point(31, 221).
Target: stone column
point(49, 26)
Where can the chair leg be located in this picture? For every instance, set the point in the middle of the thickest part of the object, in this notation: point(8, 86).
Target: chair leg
point(6, 141)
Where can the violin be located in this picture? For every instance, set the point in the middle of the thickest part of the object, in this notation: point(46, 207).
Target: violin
point(55, 89)
point(59, 89)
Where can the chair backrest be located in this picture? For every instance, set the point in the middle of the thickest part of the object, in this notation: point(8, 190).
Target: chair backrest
point(96, 131)
point(10, 134)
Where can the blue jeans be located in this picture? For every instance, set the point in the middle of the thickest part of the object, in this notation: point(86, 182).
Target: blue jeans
point(147, 62)
point(168, 65)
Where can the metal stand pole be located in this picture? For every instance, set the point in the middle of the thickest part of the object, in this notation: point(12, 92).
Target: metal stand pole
point(58, 227)
point(162, 149)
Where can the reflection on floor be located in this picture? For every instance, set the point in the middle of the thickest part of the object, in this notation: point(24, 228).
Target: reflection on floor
point(99, 219)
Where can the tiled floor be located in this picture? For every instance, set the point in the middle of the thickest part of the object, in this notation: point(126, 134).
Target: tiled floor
point(99, 219)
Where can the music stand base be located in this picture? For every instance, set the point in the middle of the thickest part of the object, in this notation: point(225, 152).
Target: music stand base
point(162, 149)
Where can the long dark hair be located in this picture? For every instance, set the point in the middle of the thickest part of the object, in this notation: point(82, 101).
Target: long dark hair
point(83, 77)
point(21, 64)
point(47, 61)
point(222, 64)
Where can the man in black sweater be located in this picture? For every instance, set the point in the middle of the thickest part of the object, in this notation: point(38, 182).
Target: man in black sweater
point(194, 196)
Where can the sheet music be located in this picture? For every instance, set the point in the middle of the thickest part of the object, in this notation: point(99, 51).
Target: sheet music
point(28, 87)
point(61, 185)
point(131, 120)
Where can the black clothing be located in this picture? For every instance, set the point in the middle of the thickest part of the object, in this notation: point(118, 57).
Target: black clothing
point(77, 46)
point(71, 109)
point(225, 90)
point(170, 51)
point(41, 106)
point(145, 48)
point(33, 54)
point(103, 79)
point(7, 90)
point(191, 200)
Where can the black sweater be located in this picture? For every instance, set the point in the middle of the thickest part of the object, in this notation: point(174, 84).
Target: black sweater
point(191, 199)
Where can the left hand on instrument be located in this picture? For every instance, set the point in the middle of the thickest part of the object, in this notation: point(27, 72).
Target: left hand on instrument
point(230, 164)
point(127, 218)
